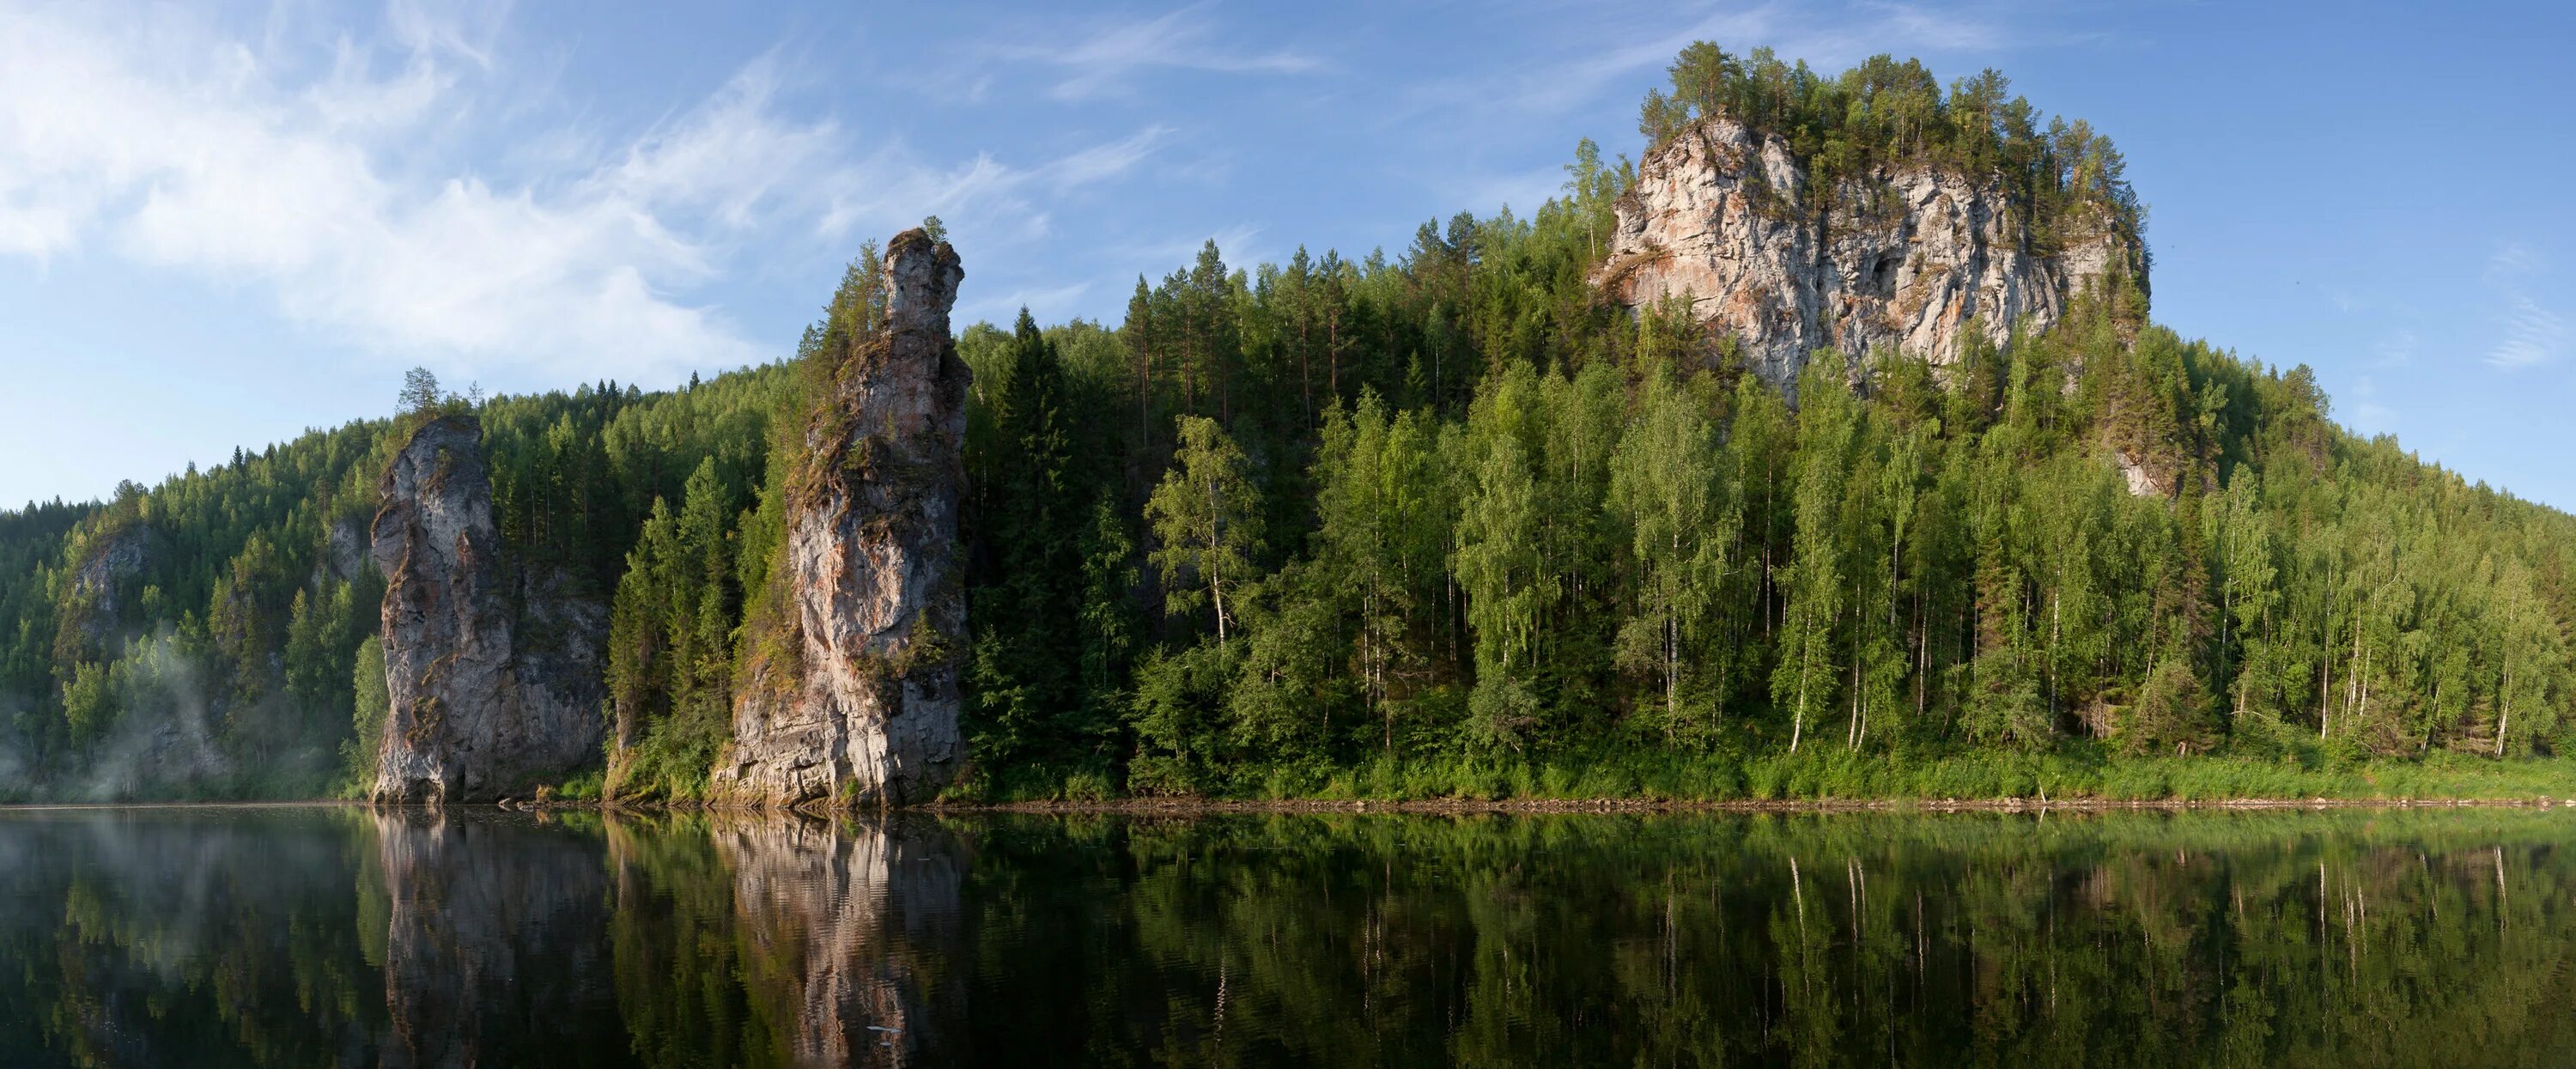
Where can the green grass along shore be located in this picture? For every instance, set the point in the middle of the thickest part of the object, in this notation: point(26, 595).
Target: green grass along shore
point(1835, 776)
point(1822, 777)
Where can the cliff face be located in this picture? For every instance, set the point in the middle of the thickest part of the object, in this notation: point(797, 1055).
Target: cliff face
point(1906, 258)
point(95, 602)
point(474, 717)
point(868, 711)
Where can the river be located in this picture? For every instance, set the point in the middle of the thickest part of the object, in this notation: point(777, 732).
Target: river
point(344, 937)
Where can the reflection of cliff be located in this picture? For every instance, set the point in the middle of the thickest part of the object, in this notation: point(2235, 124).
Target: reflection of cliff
point(497, 949)
point(856, 928)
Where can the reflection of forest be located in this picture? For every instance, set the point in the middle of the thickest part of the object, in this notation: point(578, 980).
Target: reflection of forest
point(2277, 939)
point(156, 937)
point(2387, 938)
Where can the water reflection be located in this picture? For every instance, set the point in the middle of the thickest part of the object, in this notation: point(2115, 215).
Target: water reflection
point(341, 937)
point(491, 924)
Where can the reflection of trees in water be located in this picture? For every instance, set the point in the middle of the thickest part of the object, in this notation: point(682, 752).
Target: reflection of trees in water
point(698, 940)
point(496, 948)
point(157, 938)
point(1801, 940)
point(842, 934)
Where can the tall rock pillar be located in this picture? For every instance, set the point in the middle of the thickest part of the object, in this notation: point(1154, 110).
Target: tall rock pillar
point(866, 713)
point(471, 720)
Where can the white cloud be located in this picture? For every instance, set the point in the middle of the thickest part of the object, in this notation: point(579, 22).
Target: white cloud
point(185, 152)
point(340, 195)
point(1048, 304)
point(1184, 39)
point(2532, 334)
point(1101, 162)
point(730, 157)
point(1624, 54)
point(2397, 349)
point(1155, 258)
point(2529, 333)
point(2368, 415)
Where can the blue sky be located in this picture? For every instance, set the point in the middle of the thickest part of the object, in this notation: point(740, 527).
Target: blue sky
point(222, 225)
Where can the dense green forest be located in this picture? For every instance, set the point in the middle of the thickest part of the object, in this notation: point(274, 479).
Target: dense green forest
point(1434, 522)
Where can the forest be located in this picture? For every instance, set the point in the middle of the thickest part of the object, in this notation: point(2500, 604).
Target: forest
point(1432, 523)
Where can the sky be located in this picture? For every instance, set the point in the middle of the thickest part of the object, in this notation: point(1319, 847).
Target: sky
point(223, 224)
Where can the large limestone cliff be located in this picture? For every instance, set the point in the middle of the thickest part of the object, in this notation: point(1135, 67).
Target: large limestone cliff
point(475, 717)
point(865, 711)
point(1907, 258)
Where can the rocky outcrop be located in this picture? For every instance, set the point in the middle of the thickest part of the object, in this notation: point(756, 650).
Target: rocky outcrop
point(863, 710)
point(474, 717)
point(2141, 482)
point(344, 553)
point(1908, 256)
point(95, 602)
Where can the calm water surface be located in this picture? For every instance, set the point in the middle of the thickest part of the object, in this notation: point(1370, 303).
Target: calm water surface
point(321, 937)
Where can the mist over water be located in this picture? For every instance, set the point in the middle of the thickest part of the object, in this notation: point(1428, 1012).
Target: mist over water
point(331, 936)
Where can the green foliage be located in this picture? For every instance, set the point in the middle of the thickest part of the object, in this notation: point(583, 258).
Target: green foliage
point(2064, 180)
point(1443, 520)
point(1205, 517)
point(371, 707)
point(1499, 529)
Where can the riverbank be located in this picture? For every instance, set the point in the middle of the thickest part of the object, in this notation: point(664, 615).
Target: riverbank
point(1191, 806)
point(2073, 779)
point(1833, 782)
point(1186, 807)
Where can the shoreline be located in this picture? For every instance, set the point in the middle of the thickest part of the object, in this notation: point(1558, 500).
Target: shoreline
point(1453, 806)
point(1201, 807)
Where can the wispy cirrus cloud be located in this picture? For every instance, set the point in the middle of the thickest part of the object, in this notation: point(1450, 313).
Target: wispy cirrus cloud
point(1106, 161)
point(1048, 304)
point(190, 149)
point(1109, 57)
point(2528, 332)
point(1624, 51)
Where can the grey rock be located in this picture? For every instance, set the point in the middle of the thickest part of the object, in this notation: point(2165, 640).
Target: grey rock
point(867, 711)
point(473, 717)
point(99, 584)
point(344, 551)
point(1909, 257)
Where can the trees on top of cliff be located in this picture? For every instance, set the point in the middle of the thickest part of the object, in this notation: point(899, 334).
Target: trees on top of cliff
point(1894, 111)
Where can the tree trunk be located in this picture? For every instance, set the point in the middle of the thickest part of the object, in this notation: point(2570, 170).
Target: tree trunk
point(2504, 713)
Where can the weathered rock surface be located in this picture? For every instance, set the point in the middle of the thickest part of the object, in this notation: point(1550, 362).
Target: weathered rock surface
point(474, 718)
point(2142, 483)
point(1726, 216)
point(99, 586)
point(344, 552)
point(868, 711)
